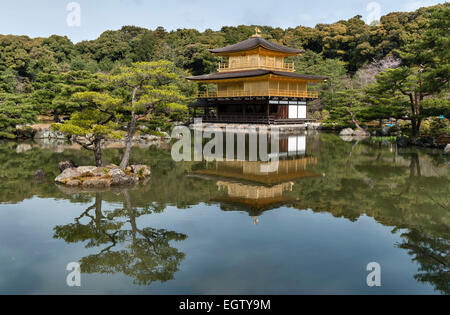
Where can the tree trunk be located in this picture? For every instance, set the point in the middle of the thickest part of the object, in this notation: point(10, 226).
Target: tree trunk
point(98, 152)
point(352, 116)
point(416, 122)
point(132, 128)
point(415, 126)
point(128, 143)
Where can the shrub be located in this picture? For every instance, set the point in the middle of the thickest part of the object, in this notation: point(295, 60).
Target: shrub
point(439, 126)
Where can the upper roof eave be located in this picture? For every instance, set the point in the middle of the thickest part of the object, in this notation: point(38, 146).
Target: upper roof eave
point(255, 42)
point(254, 73)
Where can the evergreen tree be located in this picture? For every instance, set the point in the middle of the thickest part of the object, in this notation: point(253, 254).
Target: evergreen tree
point(94, 123)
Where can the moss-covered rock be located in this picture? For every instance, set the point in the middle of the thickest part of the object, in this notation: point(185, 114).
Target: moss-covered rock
point(112, 175)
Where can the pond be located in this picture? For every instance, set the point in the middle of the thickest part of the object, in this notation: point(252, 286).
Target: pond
point(330, 210)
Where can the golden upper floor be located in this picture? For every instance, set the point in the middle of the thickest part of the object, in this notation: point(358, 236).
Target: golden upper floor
point(256, 61)
point(256, 53)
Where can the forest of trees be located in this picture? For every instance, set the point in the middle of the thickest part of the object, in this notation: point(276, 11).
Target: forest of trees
point(376, 71)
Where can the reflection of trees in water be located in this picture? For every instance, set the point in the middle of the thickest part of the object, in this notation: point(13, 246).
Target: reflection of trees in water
point(402, 188)
point(143, 254)
point(433, 255)
point(430, 250)
point(415, 165)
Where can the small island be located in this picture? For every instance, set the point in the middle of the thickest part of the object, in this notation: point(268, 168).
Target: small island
point(102, 177)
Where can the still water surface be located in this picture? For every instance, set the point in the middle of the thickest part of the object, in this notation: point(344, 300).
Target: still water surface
point(224, 228)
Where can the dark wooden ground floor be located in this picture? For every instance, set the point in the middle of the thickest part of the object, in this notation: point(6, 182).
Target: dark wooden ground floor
point(263, 110)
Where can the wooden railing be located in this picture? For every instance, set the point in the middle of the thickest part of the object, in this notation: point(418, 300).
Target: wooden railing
point(269, 92)
point(225, 67)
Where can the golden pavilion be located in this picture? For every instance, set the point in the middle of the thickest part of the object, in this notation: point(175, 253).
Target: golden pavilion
point(256, 85)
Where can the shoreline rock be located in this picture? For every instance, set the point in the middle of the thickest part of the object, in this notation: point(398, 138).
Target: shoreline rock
point(355, 133)
point(66, 164)
point(39, 175)
point(346, 132)
point(102, 177)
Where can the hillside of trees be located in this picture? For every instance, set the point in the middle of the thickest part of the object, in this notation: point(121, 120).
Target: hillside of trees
point(39, 76)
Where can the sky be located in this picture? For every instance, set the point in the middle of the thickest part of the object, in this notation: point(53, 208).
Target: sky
point(87, 19)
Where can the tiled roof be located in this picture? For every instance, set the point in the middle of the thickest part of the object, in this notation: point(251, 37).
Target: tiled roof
point(254, 42)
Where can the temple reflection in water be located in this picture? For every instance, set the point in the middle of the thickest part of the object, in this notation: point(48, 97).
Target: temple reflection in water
point(246, 185)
